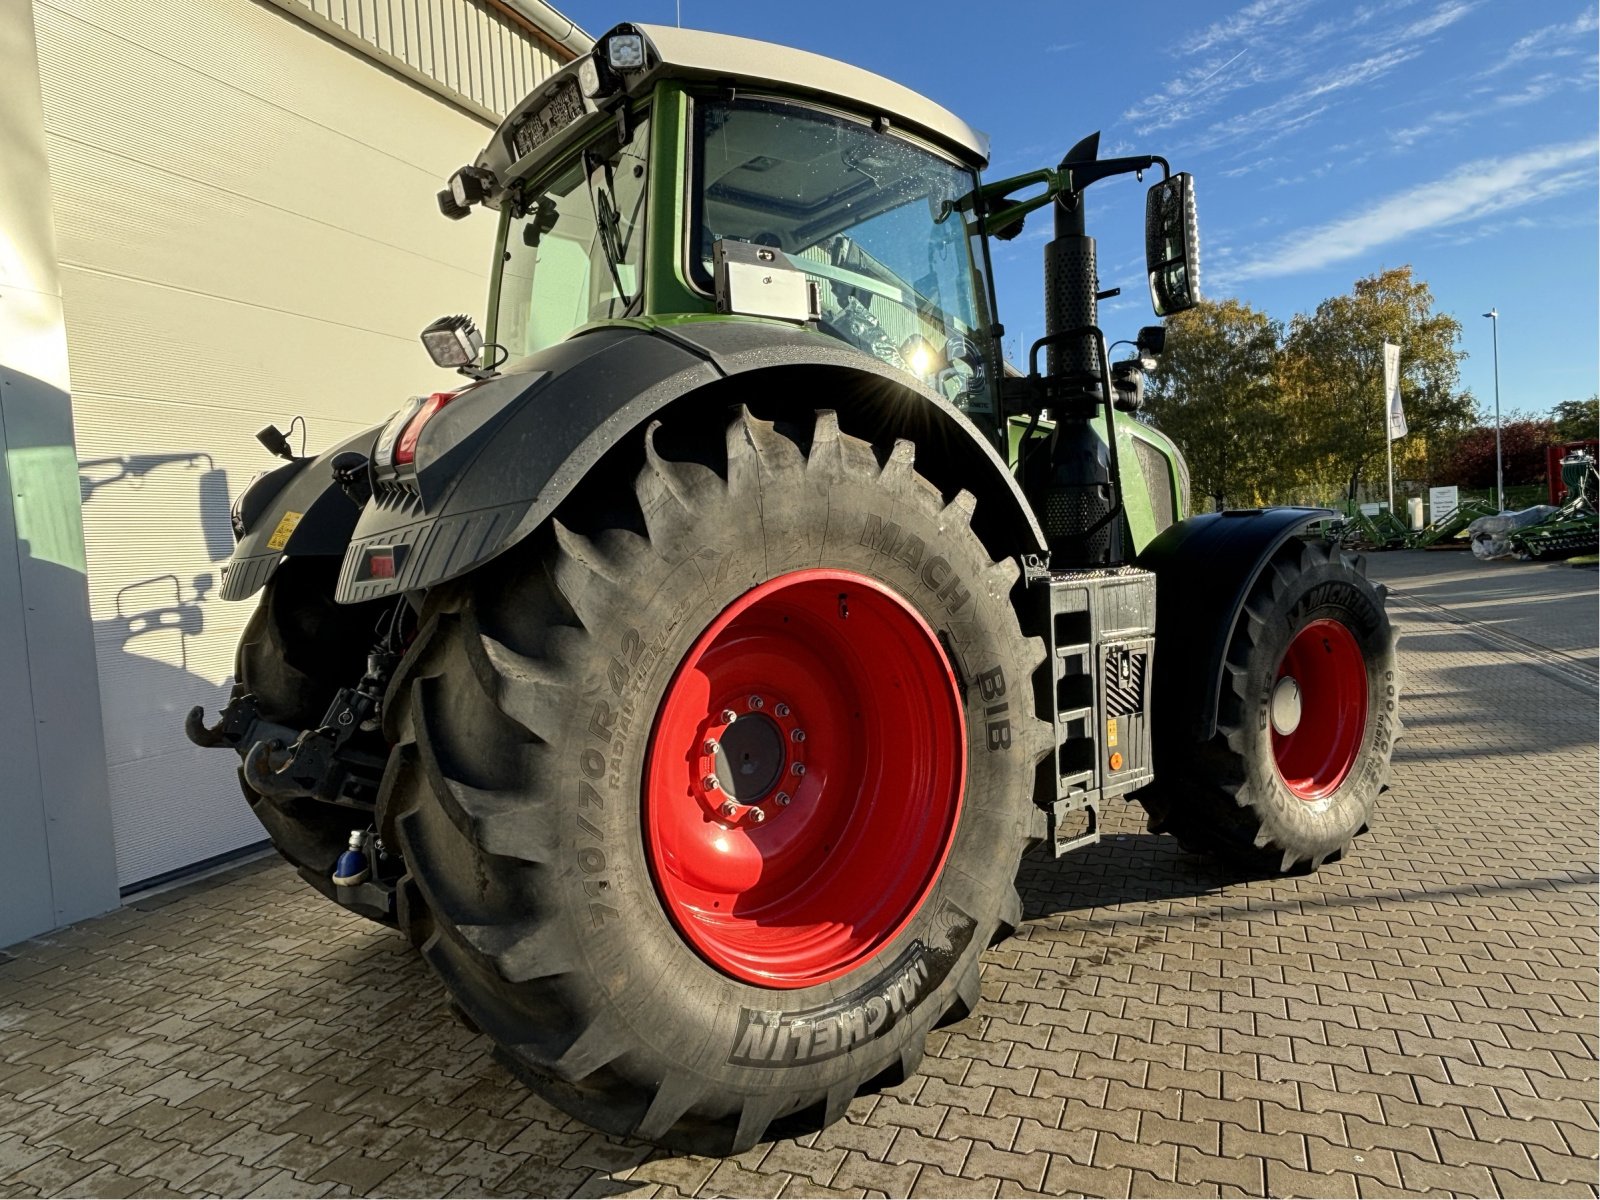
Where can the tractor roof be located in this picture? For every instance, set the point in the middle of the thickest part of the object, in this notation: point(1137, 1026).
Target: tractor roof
point(693, 54)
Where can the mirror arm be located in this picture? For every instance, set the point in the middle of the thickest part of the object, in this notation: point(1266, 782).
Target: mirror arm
point(999, 218)
point(999, 210)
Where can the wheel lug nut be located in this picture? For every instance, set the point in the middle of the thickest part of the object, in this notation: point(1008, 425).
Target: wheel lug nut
point(798, 768)
point(757, 702)
point(710, 747)
point(729, 716)
point(781, 710)
point(783, 799)
point(711, 783)
point(729, 808)
point(757, 815)
point(797, 735)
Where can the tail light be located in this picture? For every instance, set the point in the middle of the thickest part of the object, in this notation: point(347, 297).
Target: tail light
point(405, 451)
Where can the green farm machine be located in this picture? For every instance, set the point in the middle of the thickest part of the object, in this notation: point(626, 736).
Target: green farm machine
point(687, 680)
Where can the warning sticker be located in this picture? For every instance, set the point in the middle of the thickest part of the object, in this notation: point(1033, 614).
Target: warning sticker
point(286, 527)
point(1111, 731)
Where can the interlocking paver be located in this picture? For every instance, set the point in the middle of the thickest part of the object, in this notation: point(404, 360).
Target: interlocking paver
point(1417, 1020)
point(933, 1182)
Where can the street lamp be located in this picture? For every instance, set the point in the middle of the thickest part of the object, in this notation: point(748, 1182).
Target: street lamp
point(1499, 471)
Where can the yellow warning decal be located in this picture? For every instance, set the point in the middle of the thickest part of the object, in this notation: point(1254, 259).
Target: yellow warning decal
point(1111, 731)
point(286, 527)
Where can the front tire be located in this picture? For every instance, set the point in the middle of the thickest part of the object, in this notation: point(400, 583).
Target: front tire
point(1306, 723)
point(548, 788)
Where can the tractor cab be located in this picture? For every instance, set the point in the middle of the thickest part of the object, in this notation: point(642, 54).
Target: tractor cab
point(673, 175)
point(644, 183)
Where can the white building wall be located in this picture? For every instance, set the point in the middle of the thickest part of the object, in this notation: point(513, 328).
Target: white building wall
point(247, 232)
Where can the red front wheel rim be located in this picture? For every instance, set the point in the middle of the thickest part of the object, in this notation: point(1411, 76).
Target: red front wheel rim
point(1318, 709)
point(803, 779)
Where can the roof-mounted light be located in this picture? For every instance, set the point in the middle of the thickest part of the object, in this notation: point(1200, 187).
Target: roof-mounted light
point(625, 51)
point(589, 76)
point(468, 186)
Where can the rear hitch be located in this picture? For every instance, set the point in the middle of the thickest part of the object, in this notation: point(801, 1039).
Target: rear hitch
point(240, 724)
point(324, 763)
point(316, 764)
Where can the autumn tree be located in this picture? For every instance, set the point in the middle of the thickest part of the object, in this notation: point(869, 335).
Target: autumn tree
point(1577, 419)
point(1522, 451)
point(1332, 374)
point(1213, 393)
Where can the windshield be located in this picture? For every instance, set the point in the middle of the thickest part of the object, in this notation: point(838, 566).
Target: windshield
point(575, 256)
point(867, 216)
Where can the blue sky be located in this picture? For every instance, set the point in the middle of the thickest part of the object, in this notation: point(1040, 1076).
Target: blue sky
point(1328, 140)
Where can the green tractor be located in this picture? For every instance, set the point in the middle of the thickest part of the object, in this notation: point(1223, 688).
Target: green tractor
point(687, 684)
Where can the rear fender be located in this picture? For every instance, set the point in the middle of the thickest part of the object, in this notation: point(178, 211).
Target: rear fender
point(1205, 568)
point(495, 464)
point(291, 511)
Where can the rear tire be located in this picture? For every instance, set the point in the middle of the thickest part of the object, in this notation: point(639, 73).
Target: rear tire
point(522, 792)
point(297, 650)
point(1296, 768)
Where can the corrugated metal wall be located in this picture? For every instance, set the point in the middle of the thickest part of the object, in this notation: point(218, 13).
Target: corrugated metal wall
point(483, 59)
point(247, 231)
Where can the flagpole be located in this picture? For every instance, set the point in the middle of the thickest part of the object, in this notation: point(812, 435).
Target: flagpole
point(1391, 404)
point(1388, 444)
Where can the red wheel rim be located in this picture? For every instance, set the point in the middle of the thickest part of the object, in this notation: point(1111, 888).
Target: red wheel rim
point(1318, 709)
point(823, 702)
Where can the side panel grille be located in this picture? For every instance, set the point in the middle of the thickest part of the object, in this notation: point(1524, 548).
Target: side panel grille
point(1158, 479)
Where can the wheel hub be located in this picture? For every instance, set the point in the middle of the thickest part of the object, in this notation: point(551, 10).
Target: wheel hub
point(748, 764)
point(1318, 709)
point(804, 778)
point(1286, 706)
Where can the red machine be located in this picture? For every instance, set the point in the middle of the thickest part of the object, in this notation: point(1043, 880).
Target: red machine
point(1552, 465)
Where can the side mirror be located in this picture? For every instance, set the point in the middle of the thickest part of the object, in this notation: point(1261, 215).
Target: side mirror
point(1152, 340)
point(453, 342)
point(1172, 245)
point(1127, 385)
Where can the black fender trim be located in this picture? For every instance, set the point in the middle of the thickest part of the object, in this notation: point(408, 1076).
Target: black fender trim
point(1205, 567)
point(326, 518)
point(495, 465)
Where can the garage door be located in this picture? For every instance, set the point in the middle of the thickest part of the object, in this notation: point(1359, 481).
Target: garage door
point(247, 232)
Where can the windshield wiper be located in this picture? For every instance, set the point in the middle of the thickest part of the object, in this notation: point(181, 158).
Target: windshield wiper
point(608, 226)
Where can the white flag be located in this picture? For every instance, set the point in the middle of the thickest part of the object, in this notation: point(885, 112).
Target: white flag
point(1391, 390)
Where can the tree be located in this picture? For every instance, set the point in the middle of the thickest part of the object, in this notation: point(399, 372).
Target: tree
point(1332, 372)
point(1522, 453)
point(1577, 419)
point(1213, 393)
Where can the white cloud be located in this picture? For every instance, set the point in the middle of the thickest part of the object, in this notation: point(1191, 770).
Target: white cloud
point(1250, 20)
point(1443, 17)
point(1548, 41)
point(1531, 91)
point(1471, 192)
point(1284, 64)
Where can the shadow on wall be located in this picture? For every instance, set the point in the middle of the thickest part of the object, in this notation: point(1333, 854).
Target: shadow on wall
point(162, 787)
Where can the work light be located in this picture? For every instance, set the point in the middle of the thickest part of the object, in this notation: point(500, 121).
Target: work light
point(452, 341)
point(625, 51)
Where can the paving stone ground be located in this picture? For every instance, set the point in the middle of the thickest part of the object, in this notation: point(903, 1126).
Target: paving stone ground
point(1417, 1020)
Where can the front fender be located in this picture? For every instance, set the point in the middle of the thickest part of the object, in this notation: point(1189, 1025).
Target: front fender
point(495, 464)
point(1205, 567)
